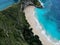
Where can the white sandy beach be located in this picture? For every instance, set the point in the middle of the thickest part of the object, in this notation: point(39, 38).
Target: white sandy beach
point(37, 28)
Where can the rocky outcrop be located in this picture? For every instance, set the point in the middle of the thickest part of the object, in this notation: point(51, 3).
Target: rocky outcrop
point(25, 3)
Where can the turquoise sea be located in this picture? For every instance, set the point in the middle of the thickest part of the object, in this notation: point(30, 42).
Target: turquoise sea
point(6, 3)
point(49, 17)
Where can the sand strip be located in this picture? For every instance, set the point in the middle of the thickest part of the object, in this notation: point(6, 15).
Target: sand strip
point(37, 29)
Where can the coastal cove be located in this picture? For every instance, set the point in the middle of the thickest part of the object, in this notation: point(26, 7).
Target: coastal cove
point(46, 18)
point(14, 28)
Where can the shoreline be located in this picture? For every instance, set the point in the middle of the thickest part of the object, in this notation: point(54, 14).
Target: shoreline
point(37, 28)
point(9, 6)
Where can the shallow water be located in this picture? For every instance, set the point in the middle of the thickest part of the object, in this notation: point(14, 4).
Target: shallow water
point(6, 3)
point(49, 17)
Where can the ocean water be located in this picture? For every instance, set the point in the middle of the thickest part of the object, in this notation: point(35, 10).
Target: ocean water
point(49, 17)
point(6, 3)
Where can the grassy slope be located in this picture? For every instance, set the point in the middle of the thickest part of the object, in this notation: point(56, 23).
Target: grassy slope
point(14, 28)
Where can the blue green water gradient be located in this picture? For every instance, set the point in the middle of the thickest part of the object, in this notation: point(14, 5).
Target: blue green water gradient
point(49, 17)
point(6, 3)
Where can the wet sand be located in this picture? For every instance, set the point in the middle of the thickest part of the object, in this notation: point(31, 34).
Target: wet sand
point(37, 28)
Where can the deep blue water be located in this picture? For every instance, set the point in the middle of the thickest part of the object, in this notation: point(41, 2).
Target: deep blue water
point(6, 3)
point(49, 17)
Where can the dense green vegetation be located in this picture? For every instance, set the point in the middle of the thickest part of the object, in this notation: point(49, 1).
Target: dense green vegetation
point(14, 28)
point(37, 3)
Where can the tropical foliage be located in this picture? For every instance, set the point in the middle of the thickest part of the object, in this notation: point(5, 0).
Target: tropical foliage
point(14, 28)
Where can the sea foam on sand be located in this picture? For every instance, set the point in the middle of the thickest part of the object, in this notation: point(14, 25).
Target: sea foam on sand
point(37, 28)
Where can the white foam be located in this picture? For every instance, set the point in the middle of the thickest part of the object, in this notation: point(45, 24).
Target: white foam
point(44, 33)
point(41, 3)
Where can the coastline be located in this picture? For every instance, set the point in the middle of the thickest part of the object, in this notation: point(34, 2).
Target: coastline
point(10, 5)
point(37, 28)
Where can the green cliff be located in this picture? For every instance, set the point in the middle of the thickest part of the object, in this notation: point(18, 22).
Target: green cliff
point(14, 28)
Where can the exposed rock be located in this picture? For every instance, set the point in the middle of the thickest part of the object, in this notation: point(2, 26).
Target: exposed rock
point(25, 3)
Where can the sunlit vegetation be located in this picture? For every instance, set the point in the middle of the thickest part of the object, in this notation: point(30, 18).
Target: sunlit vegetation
point(14, 28)
point(37, 3)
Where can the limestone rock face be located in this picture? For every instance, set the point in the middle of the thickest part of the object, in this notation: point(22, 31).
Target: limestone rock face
point(25, 3)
